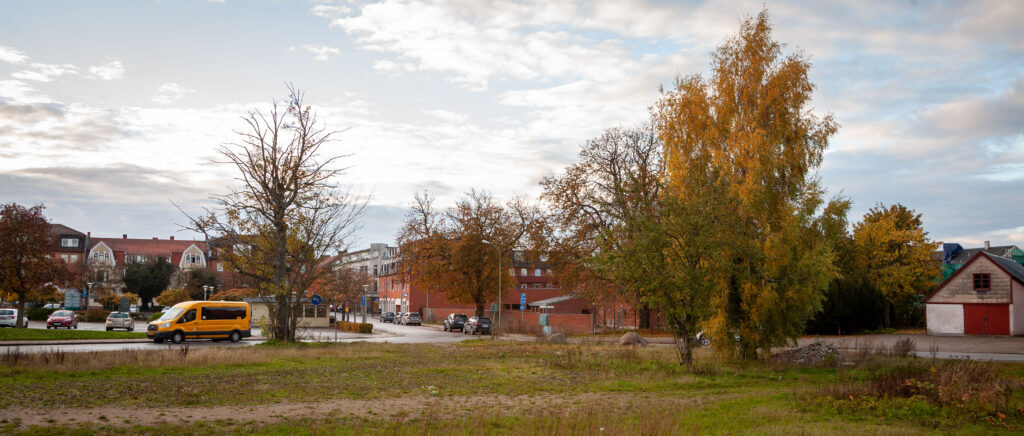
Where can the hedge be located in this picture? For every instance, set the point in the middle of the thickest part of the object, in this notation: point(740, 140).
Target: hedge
point(94, 314)
point(38, 313)
point(154, 316)
point(355, 327)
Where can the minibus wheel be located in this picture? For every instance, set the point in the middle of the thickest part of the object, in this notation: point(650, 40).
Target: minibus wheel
point(178, 337)
point(235, 336)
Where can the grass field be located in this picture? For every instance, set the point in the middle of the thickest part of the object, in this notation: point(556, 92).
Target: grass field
point(63, 334)
point(483, 387)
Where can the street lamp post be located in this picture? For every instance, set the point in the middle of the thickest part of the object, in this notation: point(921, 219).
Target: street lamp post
point(206, 288)
point(498, 325)
point(366, 288)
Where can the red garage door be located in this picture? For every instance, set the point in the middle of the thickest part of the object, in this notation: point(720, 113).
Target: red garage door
point(987, 319)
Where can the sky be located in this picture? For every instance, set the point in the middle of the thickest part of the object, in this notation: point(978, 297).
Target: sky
point(111, 112)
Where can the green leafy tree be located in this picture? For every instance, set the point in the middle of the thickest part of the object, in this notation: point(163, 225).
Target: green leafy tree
point(26, 267)
point(740, 150)
point(148, 279)
point(897, 257)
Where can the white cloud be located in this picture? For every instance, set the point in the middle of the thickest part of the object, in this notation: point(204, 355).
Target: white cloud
point(16, 92)
point(110, 71)
point(45, 72)
point(12, 55)
point(321, 53)
point(171, 92)
point(330, 11)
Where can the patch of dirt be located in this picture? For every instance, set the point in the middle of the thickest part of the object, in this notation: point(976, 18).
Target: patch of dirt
point(816, 354)
point(393, 408)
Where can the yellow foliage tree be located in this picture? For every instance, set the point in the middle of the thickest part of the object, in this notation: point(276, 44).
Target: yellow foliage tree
point(897, 255)
point(171, 297)
point(740, 150)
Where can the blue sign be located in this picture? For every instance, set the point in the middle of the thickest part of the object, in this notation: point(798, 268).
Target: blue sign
point(522, 301)
point(316, 299)
point(405, 295)
point(364, 300)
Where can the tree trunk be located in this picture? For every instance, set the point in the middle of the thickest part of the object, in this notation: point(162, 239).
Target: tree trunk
point(887, 317)
point(683, 349)
point(21, 312)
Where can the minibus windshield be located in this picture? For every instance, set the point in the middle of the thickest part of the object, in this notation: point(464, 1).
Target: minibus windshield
point(172, 314)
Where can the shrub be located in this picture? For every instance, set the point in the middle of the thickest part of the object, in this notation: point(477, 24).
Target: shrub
point(355, 327)
point(38, 313)
point(94, 314)
point(171, 297)
point(154, 316)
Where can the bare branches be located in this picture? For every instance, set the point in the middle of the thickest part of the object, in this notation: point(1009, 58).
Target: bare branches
point(287, 217)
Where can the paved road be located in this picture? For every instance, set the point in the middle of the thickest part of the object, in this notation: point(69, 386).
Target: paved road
point(383, 332)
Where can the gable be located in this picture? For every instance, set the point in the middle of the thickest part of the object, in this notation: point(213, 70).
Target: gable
point(959, 288)
point(192, 257)
point(101, 254)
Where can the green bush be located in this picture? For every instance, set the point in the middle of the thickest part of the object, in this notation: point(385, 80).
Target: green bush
point(38, 313)
point(94, 314)
point(154, 316)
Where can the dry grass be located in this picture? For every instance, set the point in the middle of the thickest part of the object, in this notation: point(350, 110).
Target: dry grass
point(60, 361)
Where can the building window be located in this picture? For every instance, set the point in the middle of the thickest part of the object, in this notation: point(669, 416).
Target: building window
point(220, 266)
point(135, 258)
point(192, 259)
point(522, 272)
point(74, 258)
point(101, 256)
point(982, 282)
point(522, 286)
point(64, 258)
point(69, 242)
point(511, 271)
point(537, 272)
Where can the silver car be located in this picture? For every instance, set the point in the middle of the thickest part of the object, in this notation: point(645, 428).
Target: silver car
point(8, 317)
point(120, 320)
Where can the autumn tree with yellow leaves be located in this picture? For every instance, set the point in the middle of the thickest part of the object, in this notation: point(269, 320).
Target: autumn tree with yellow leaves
point(897, 256)
point(745, 210)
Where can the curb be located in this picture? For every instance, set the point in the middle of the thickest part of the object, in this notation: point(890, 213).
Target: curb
point(94, 341)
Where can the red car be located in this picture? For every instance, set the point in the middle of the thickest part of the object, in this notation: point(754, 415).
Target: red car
point(62, 318)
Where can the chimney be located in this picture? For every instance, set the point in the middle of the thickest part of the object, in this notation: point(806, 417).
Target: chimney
point(987, 245)
point(88, 234)
point(154, 238)
point(172, 238)
point(124, 236)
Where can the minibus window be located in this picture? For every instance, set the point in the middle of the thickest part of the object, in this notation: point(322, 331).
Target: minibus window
point(188, 316)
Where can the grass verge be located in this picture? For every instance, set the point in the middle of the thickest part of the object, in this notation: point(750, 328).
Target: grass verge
point(63, 334)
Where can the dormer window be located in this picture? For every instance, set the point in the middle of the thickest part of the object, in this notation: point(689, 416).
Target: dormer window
point(69, 242)
point(982, 282)
point(192, 259)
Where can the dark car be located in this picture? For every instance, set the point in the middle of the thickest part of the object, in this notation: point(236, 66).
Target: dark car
point(477, 324)
point(62, 318)
point(412, 318)
point(387, 317)
point(455, 322)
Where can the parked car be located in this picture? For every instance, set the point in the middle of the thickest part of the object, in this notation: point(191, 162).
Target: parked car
point(455, 321)
point(400, 317)
point(387, 317)
point(55, 306)
point(120, 320)
point(477, 324)
point(133, 309)
point(412, 318)
point(62, 318)
point(8, 317)
point(216, 320)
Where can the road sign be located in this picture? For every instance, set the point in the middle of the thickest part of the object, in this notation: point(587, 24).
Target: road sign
point(522, 301)
point(123, 306)
point(405, 295)
point(364, 300)
point(316, 299)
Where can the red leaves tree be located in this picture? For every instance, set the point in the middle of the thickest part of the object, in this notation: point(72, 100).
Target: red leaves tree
point(25, 262)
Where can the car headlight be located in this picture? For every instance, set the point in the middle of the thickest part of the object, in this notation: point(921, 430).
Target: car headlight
point(165, 325)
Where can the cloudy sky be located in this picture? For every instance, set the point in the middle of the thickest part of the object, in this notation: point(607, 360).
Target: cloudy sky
point(111, 110)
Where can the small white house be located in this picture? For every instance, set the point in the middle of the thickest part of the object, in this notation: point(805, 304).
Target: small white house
point(978, 299)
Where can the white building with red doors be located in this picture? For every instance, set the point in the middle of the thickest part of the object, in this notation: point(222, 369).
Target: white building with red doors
point(984, 297)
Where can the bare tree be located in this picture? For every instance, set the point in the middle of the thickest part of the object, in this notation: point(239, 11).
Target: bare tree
point(288, 215)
